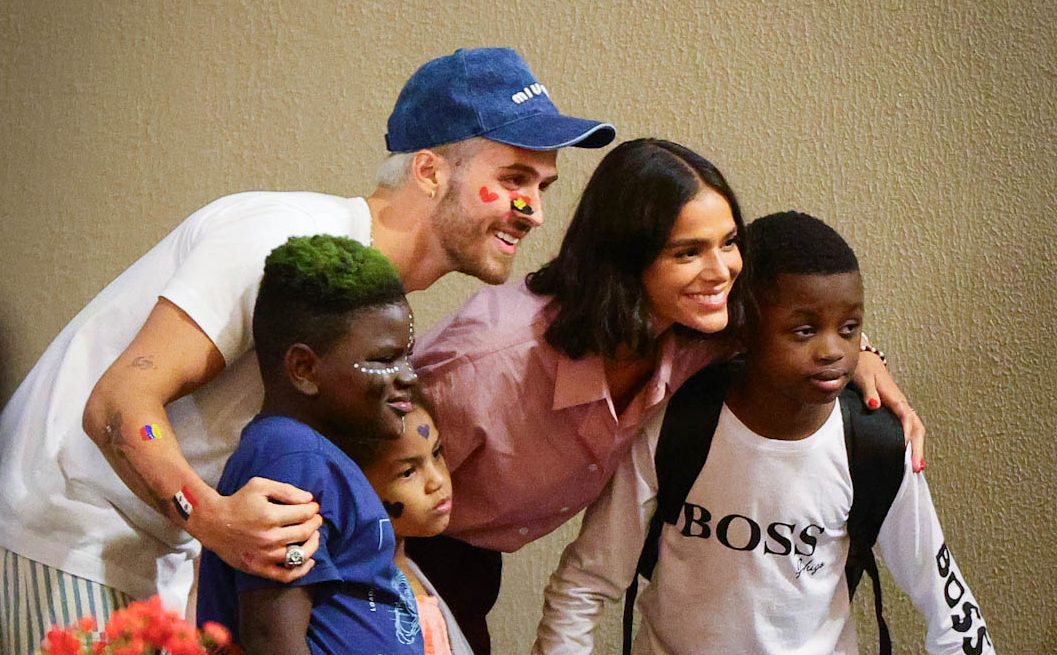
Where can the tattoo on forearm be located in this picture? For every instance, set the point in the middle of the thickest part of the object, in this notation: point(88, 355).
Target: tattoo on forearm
point(113, 429)
point(143, 362)
point(115, 451)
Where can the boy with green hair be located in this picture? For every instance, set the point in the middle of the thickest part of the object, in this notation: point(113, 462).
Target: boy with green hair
point(333, 331)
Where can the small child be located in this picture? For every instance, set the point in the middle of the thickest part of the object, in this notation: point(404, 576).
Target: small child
point(332, 332)
point(412, 479)
point(755, 562)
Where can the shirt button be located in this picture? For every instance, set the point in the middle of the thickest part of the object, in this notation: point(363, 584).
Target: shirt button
point(522, 531)
point(592, 468)
point(564, 510)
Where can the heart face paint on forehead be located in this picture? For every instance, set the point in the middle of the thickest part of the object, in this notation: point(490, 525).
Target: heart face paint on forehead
point(394, 510)
point(487, 195)
point(423, 430)
point(520, 203)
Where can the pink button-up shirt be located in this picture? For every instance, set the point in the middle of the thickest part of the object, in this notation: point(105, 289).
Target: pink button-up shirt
point(530, 435)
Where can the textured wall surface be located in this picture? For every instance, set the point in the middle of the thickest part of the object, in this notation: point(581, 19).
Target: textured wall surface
point(924, 131)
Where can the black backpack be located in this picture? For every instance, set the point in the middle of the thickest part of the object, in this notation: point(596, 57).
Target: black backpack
point(875, 451)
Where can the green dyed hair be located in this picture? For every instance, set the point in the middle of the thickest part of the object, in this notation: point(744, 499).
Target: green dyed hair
point(331, 270)
point(311, 289)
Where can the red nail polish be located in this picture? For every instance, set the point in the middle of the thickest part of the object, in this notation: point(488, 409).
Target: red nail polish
point(873, 403)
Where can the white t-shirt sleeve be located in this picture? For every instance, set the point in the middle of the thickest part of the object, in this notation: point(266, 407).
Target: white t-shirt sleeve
point(915, 551)
point(221, 262)
point(600, 564)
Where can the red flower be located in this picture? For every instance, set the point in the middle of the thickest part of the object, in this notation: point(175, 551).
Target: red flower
point(61, 642)
point(134, 647)
point(217, 633)
point(184, 641)
point(118, 625)
point(142, 628)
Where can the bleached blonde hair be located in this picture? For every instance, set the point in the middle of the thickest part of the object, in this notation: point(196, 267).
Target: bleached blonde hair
point(395, 170)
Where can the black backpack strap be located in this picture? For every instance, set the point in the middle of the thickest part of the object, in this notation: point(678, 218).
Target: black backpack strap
point(682, 448)
point(629, 613)
point(876, 451)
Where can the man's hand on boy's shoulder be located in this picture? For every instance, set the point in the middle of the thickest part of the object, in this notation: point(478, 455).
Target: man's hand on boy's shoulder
point(251, 528)
point(879, 388)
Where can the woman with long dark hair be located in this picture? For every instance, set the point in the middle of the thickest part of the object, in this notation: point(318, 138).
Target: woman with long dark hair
point(541, 387)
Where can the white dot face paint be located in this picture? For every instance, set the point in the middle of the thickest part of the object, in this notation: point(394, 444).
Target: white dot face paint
point(369, 368)
point(376, 369)
point(364, 378)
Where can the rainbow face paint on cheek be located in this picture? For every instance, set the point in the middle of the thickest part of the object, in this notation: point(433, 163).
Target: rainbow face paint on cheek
point(520, 204)
point(185, 503)
point(486, 195)
point(150, 432)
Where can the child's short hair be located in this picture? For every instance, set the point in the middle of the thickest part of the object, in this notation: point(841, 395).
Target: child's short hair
point(311, 287)
point(793, 243)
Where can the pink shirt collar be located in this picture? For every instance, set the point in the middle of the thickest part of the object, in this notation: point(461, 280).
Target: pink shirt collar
point(582, 381)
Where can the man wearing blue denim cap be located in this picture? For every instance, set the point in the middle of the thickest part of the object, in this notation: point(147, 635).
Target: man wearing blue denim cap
point(162, 360)
point(474, 138)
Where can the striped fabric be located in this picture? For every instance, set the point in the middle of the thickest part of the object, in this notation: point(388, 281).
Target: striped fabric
point(33, 597)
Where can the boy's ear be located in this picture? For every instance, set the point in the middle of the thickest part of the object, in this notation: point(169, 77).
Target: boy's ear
point(429, 172)
point(300, 364)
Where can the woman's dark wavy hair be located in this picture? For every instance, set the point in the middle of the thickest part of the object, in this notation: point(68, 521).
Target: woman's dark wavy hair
point(625, 215)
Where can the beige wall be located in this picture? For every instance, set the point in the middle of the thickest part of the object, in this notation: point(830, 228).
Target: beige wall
point(926, 134)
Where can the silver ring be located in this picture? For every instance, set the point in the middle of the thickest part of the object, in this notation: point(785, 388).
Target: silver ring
point(295, 556)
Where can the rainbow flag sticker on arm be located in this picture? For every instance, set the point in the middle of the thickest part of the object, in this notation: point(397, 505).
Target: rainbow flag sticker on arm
point(150, 432)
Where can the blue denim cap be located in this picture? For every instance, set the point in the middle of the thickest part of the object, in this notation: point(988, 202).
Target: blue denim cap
point(487, 92)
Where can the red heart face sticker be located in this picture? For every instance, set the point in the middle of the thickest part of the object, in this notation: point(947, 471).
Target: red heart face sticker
point(487, 196)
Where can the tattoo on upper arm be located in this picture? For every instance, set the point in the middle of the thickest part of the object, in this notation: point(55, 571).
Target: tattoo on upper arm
point(143, 362)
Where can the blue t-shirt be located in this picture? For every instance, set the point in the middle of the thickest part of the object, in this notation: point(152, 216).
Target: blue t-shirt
point(362, 603)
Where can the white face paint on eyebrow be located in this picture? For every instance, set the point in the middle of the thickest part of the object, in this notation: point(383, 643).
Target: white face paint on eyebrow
point(369, 370)
point(389, 370)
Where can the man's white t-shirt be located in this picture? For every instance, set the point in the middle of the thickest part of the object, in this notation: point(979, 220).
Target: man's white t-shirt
point(61, 504)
